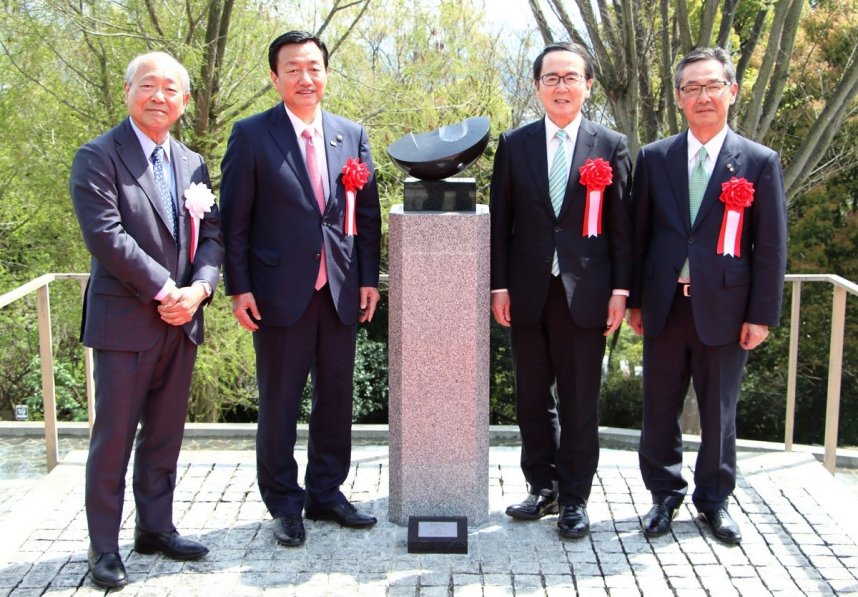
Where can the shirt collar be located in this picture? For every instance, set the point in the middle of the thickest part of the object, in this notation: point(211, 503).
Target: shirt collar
point(300, 126)
point(148, 144)
point(571, 128)
point(713, 146)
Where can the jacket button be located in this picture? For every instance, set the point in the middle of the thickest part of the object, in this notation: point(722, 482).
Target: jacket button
point(548, 260)
point(317, 256)
point(557, 229)
point(691, 241)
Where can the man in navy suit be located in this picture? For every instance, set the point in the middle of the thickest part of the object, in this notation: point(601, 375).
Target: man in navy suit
point(709, 214)
point(561, 267)
point(152, 228)
point(300, 280)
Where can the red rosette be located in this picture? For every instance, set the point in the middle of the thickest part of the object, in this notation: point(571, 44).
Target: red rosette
point(596, 174)
point(355, 176)
point(737, 193)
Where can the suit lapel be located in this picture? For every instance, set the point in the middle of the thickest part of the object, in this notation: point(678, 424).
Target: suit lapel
point(181, 170)
point(726, 163)
point(537, 160)
point(583, 150)
point(129, 151)
point(287, 140)
point(335, 156)
point(677, 165)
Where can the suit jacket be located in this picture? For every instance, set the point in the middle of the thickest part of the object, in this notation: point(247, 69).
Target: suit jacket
point(525, 231)
point(273, 228)
point(726, 291)
point(124, 226)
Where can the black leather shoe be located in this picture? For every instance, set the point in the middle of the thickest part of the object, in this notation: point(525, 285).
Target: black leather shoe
point(534, 507)
point(723, 526)
point(289, 530)
point(106, 569)
point(346, 515)
point(573, 522)
point(657, 521)
point(171, 544)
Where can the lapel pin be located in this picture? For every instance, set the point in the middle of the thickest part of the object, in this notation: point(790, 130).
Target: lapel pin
point(333, 143)
point(730, 168)
point(339, 137)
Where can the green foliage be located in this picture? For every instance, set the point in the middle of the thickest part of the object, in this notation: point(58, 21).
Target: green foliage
point(502, 381)
point(621, 400)
point(69, 389)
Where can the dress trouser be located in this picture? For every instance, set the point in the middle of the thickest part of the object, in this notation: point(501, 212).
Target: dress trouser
point(318, 344)
point(559, 438)
point(150, 388)
point(671, 360)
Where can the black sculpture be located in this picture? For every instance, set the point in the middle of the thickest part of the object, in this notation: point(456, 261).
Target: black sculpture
point(436, 155)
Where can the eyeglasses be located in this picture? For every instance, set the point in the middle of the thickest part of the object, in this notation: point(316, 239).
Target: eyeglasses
point(714, 89)
point(554, 80)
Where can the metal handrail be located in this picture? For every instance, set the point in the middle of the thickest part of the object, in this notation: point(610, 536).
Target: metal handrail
point(835, 360)
point(46, 353)
point(841, 286)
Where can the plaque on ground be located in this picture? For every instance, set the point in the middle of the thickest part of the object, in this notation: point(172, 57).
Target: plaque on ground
point(437, 534)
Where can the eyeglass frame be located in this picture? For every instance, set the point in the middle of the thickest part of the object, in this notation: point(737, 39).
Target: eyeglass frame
point(723, 85)
point(576, 78)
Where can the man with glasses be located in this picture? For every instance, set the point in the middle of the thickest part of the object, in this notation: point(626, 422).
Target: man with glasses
point(709, 214)
point(561, 266)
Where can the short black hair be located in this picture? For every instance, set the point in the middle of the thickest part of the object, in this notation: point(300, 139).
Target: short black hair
point(294, 37)
point(564, 46)
point(699, 54)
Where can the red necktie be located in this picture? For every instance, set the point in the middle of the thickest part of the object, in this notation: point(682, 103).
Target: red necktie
point(319, 191)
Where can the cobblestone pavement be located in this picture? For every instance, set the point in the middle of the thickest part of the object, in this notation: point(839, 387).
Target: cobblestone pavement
point(799, 538)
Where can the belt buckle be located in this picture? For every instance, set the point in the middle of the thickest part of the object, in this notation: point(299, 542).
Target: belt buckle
point(686, 290)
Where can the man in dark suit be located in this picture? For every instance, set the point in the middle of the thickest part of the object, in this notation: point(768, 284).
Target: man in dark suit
point(154, 264)
point(701, 303)
point(560, 274)
point(300, 279)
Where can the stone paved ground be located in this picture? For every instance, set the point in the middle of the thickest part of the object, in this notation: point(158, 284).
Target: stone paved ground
point(799, 538)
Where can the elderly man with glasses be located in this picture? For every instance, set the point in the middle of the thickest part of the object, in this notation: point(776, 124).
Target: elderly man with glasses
point(709, 214)
point(561, 270)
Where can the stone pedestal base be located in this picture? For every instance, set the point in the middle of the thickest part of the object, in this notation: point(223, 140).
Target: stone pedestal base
point(439, 364)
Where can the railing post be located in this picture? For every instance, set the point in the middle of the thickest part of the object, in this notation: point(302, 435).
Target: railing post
point(87, 368)
point(49, 399)
point(792, 367)
point(835, 372)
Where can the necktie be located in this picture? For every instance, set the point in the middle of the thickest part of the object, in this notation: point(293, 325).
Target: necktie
point(697, 183)
point(164, 188)
point(319, 191)
point(557, 178)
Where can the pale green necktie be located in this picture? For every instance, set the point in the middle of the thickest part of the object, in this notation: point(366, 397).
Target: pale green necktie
point(557, 178)
point(697, 183)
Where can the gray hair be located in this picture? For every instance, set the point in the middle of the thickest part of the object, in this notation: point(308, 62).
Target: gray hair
point(138, 60)
point(698, 54)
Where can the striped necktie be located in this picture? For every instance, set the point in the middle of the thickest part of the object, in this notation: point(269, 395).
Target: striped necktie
point(557, 179)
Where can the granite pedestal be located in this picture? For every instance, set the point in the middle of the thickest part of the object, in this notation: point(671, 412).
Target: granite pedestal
point(439, 364)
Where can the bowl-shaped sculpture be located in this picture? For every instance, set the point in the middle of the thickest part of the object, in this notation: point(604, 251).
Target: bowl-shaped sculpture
point(443, 152)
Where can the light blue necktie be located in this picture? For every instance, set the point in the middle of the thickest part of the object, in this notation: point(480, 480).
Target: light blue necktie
point(164, 187)
point(697, 184)
point(557, 178)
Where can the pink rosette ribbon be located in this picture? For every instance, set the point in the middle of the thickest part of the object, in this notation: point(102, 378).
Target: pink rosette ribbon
point(198, 200)
point(355, 175)
point(595, 174)
point(737, 194)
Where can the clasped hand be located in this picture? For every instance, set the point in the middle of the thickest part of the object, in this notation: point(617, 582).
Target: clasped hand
point(180, 304)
